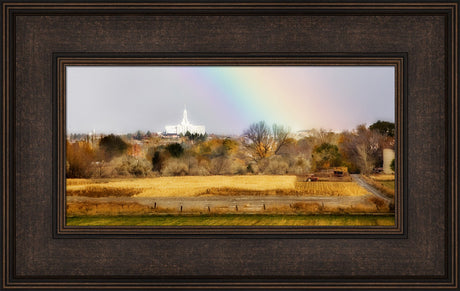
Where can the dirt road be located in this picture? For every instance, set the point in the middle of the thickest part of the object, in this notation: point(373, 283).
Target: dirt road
point(361, 182)
point(236, 203)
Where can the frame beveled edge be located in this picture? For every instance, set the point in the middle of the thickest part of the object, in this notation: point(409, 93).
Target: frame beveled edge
point(449, 8)
point(62, 60)
point(363, 7)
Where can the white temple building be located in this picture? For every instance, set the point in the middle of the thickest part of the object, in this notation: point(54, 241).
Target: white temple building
point(185, 126)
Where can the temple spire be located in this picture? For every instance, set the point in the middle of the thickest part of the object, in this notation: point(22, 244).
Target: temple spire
point(184, 127)
point(185, 118)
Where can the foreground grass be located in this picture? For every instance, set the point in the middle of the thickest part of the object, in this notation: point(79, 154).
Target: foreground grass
point(235, 220)
point(388, 184)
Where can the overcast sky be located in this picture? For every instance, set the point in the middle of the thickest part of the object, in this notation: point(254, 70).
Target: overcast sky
point(226, 100)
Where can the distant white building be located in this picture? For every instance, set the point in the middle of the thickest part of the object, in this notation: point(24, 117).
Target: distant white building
point(185, 126)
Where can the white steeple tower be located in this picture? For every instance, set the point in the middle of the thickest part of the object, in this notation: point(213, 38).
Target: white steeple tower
point(184, 118)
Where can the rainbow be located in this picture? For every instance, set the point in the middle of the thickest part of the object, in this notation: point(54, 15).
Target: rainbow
point(298, 97)
point(227, 99)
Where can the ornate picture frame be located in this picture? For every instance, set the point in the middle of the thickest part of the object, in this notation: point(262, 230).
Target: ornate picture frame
point(39, 251)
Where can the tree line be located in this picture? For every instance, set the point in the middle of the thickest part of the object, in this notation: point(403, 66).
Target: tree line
point(262, 149)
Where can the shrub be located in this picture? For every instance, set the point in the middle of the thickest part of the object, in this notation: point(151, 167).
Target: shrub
point(175, 167)
point(300, 166)
point(80, 157)
point(276, 166)
point(382, 205)
point(199, 171)
point(252, 168)
point(198, 168)
point(307, 207)
point(138, 167)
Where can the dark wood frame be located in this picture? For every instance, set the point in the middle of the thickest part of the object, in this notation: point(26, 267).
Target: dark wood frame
point(40, 252)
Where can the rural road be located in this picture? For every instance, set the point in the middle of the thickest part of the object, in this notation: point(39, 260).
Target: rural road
point(361, 182)
point(246, 203)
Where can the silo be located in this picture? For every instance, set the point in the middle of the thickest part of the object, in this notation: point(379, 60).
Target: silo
point(388, 157)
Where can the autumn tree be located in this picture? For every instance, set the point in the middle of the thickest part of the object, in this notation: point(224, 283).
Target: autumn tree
point(263, 141)
point(221, 162)
point(79, 158)
point(280, 136)
point(384, 128)
point(229, 147)
point(260, 140)
point(320, 136)
point(326, 155)
point(113, 146)
point(363, 148)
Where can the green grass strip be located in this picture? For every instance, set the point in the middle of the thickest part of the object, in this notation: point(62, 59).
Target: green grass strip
point(235, 220)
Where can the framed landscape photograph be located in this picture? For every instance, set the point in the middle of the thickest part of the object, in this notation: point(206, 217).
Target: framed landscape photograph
point(230, 145)
point(276, 145)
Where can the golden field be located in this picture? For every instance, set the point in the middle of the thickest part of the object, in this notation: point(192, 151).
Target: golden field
point(384, 183)
point(125, 197)
point(190, 186)
point(331, 189)
point(383, 177)
point(183, 186)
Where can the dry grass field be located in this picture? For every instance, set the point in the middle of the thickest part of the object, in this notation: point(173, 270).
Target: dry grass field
point(91, 208)
point(330, 189)
point(124, 197)
point(184, 186)
point(384, 183)
point(383, 177)
point(190, 186)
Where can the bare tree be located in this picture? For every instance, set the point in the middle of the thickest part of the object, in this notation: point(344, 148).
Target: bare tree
point(320, 136)
point(362, 147)
point(280, 136)
point(261, 141)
